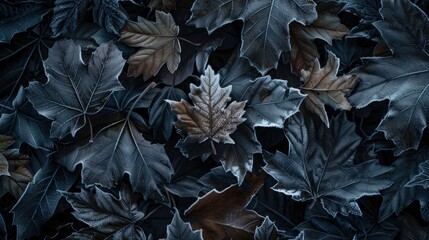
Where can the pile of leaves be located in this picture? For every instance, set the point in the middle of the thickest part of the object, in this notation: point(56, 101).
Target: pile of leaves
point(223, 119)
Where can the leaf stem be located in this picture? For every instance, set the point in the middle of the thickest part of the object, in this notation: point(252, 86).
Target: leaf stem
point(190, 42)
point(91, 138)
point(151, 212)
point(213, 147)
point(5, 106)
point(151, 85)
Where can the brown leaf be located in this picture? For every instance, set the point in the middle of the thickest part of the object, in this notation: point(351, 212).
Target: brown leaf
point(18, 175)
point(159, 44)
point(322, 86)
point(327, 27)
point(16, 182)
point(5, 142)
point(222, 215)
point(210, 118)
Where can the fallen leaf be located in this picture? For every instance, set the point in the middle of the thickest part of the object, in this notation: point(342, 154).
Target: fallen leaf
point(159, 42)
point(223, 215)
point(324, 87)
point(210, 118)
point(327, 27)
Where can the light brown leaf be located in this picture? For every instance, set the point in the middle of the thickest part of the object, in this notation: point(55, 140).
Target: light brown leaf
point(18, 175)
point(223, 215)
point(327, 27)
point(159, 44)
point(210, 118)
point(16, 182)
point(322, 86)
point(5, 142)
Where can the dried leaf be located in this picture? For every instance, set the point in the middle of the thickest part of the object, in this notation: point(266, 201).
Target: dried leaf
point(322, 86)
point(222, 215)
point(210, 118)
point(327, 27)
point(159, 42)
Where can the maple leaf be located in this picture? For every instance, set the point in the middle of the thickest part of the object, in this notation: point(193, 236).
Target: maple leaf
point(68, 14)
point(402, 78)
point(327, 27)
point(222, 215)
point(210, 118)
point(267, 231)
point(265, 34)
point(73, 92)
point(23, 122)
point(110, 15)
point(114, 218)
point(179, 230)
point(400, 194)
point(13, 169)
point(421, 179)
point(322, 86)
point(159, 42)
point(40, 199)
point(327, 156)
point(118, 149)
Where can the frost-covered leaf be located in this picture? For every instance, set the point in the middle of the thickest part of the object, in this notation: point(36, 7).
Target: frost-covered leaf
point(210, 118)
point(179, 230)
point(73, 91)
point(421, 179)
point(327, 155)
point(238, 157)
point(115, 218)
point(39, 201)
point(121, 149)
point(397, 197)
point(267, 231)
point(222, 215)
point(265, 33)
point(25, 123)
point(403, 78)
point(269, 101)
point(16, 19)
point(109, 15)
point(68, 14)
point(327, 27)
point(323, 86)
point(320, 225)
point(159, 45)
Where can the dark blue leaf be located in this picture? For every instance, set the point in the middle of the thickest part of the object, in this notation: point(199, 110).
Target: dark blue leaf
point(39, 201)
point(68, 14)
point(109, 15)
